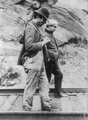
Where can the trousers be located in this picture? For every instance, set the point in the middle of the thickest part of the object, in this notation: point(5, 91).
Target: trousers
point(36, 78)
point(52, 67)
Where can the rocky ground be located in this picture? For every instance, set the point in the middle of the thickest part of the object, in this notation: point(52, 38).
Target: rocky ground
point(73, 55)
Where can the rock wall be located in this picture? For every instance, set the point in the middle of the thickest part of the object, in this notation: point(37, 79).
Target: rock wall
point(72, 29)
point(75, 3)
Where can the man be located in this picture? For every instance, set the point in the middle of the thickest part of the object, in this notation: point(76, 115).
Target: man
point(32, 59)
point(51, 54)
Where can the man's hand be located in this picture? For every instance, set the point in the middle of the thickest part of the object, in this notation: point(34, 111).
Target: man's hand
point(45, 41)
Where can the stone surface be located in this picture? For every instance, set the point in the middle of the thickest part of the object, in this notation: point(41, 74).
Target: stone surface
point(11, 75)
point(72, 23)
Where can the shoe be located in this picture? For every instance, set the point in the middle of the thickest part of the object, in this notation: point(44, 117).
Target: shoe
point(58, 95)
point(47, 109)
point(25, 108)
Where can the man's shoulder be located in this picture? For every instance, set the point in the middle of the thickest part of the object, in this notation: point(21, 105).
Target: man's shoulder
point(30, 27)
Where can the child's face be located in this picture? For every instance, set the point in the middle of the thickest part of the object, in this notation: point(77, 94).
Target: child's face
point(51, 27)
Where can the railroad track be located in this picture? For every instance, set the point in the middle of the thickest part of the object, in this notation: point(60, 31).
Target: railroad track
point(72, 107)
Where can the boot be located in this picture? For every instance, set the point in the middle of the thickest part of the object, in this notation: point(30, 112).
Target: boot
point(58, 94)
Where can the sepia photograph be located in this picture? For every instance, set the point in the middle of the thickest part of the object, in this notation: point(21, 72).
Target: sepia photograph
point(43, 59)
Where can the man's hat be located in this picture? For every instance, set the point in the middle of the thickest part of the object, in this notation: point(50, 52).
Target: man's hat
point(43, 11)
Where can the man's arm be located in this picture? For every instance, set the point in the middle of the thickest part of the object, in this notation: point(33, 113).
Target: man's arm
point(30, 44)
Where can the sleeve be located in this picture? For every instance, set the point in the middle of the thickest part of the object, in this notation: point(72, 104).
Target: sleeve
point(30, 44)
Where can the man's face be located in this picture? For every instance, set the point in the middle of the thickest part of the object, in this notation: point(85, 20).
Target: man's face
point(35, 4)
point(40, 21)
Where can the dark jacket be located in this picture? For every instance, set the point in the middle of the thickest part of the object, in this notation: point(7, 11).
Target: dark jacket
point(51, 54)
point(51, 48)
point(32, 43)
